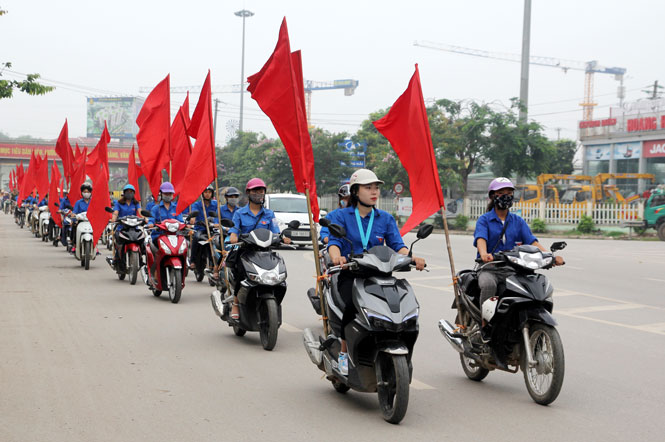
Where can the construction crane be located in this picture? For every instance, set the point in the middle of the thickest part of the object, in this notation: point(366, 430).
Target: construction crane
point(589, 68)
point(349, 87)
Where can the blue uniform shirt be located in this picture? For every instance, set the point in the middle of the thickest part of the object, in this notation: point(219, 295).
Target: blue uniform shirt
point(43, 202)
point(64, 203)
point(126, 209)
point(332, 217)
point(198, 206)
point(489, 227)
point(226, 212)
point(384, 231)
point(161, 213)
point(150, 206)
point(245, 220)
point(81, 206)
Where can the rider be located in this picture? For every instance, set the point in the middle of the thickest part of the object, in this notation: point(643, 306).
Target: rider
point(80, 207)
point(127, 205)
point(150, 203)
point(498, 230)
point(63, 206)
point(209, 205)
point(232, 196)
point(166, 209)
point(366, 227)
point(344, 195)
point(245, 220)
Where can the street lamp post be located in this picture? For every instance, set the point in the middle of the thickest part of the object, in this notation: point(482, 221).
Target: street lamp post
point(244, 14)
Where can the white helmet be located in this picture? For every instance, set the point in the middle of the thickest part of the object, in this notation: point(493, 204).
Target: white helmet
point(364, 176)
point(489, 308)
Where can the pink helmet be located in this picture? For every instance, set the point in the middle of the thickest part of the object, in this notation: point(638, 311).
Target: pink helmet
point(166, 187)
point(500, 183)
point(255, 183)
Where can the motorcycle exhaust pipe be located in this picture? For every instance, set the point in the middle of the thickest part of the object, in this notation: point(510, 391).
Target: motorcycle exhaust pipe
point(312, 347)
point(448, 332)
point(216, 300)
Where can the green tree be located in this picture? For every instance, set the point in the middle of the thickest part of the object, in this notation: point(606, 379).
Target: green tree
point(562, 160)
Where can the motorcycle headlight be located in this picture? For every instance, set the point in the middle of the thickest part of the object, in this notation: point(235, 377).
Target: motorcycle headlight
point(372, 314)
point(172, 227)
point(269, 277)
point(531, 261)
point(413, 314)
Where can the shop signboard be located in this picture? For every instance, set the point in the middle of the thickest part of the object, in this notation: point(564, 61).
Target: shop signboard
point(627, 151)
point(598, 152)
point(654, 148)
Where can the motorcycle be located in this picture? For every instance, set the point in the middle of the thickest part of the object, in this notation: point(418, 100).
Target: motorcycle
point(169, 260)
point(132, 248)
point(54, 233)
point(381, 337)
point(85, 249)
point(44, 218)
point(107, 236)
point(20, 214)
point(203, 259)
point(261, 292)
point(33, 220)
point(520, 332)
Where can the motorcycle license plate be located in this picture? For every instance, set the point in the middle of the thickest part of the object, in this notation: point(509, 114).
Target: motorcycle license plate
point(299, 233)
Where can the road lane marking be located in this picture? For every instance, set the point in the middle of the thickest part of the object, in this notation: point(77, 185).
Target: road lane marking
point(419, 385)
point(600, 308)
point(427, 278)
point(443, 289)
point(655, 279)
point(654, 328)
point(642, 328)
point(290, 328)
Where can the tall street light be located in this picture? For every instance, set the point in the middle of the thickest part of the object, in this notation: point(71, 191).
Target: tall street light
point(244, 14)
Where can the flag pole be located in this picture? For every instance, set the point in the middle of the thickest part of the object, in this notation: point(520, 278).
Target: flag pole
point(450, 258)
point(317, 264)
point(212, 248)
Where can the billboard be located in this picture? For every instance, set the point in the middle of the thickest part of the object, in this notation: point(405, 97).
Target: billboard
point(598, 152)
point(627, 151)
point(654, 148)
point(118, 112)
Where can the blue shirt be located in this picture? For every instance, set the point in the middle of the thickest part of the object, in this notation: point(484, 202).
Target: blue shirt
point(332, 217)
point(64, 203)
point(161, 213)
point(226, 212)
point(81, 206)
point(43, 202)
point(489, 227)
point(245, 220)
point(198, 206)
point(126, 210)
point(384, 231)
point(150, 206)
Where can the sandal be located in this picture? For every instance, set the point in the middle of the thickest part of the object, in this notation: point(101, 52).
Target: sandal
point(235, 315)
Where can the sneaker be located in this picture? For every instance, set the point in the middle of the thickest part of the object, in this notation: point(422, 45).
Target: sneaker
point(343, 364)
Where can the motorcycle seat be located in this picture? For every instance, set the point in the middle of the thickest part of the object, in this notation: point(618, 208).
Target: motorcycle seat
point(468, 282)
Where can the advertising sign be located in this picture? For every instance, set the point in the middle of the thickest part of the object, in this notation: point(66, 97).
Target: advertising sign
point(627, 151)
point(654, 148)
point(598, 152)
point(357, 153)
point(119, 113)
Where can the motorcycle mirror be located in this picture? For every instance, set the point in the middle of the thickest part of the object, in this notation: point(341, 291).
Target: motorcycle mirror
point(559, 245)
point(324, 222)
point(108, 209)
point(193, 214)
point(211, 214)
point(424, 231)
point(227, 223)
point(294, 224)
point(146, 213)
point(286, 233)
point(337, 231)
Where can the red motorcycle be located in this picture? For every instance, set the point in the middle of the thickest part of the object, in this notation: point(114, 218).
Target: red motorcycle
point(168, 260)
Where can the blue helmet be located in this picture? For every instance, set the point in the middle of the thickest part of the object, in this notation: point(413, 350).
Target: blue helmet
point(128, 187)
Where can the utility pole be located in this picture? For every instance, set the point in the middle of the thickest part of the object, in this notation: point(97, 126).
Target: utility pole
point(558, 133)
point(524, 75)
point(244, 14)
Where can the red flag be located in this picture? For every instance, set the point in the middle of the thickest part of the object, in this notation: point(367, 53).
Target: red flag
point(78, 153)
point(42, 181)
point(133, 173)
point(11, 180)
point(100, 155)
point(407, 129)
point(20, 174)
point(28, 181)
point(154, 121)
point(64, 151)
point(181, 145)
point(202, 165)
point(54, 195)
point(278, 90)
point(78, 176)
point(97, 215)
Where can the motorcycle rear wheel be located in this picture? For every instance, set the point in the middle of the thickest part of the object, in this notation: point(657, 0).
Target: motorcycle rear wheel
point(544, 381)
point(133, 267)
point(472, 370)
point(392, 379)
point(269, 325)
point(339, 386)
point(239, 331)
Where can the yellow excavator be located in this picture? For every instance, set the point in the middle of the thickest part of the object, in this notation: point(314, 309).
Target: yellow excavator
point(601, 190)
point(542, 190)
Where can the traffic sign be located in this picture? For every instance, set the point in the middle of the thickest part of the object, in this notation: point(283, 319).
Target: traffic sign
point(398, 188)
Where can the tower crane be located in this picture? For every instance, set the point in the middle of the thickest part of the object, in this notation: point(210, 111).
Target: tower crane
point(348, 85)
point(589, 68)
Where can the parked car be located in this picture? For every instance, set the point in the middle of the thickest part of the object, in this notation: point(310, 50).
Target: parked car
point(289, 207)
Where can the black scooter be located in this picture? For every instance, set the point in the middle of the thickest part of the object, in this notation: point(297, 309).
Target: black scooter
point(261, 293)
point(381, 338)
point(519, 331)
point(131, 246)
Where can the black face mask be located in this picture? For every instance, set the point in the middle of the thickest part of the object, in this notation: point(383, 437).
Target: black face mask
point(257, 198)
point(503, 202)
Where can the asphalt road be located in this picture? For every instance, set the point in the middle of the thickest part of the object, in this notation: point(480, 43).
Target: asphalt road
point(86, 357)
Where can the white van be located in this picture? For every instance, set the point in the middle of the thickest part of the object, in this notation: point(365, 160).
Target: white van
point(289, 207)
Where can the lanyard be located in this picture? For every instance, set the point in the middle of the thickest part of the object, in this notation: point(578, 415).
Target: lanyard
point(364, 236)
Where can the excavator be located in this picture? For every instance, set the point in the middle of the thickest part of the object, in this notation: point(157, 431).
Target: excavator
point(574, 193)
point(601, 191)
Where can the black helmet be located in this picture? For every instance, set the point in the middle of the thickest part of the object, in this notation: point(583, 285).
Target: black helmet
point(86, 186)
point(232, 191)
point(344, 191)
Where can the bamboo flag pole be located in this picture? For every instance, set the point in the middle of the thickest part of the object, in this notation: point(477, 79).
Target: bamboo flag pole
point(450, 258)
point(212, 248)
point(317, 264)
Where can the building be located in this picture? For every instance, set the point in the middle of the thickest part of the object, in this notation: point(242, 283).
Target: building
point(630, 140)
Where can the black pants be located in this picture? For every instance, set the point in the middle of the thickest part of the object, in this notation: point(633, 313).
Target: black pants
point(345, 289)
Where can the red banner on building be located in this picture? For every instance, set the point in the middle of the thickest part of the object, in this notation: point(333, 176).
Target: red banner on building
point(655, 148)
point(117, 155)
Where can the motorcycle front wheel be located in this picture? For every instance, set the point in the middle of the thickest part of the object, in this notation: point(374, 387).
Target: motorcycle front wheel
point(87, 254)
point(392, 380)
point(269, 324)
point(133, 267)
point(545, 378)
point(175, 287)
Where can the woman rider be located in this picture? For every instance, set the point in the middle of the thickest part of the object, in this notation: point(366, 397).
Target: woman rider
point(127, 205)
point(366, 227)
point(79, 207)
point(498, 230)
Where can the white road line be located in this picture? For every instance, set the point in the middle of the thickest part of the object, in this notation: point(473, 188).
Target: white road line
point(642, 328)
point(290, 328)
point(443, 289)
point(419, 385)
point(656, 279)
point(600, 308)
point(428, 278)
point(658, 327)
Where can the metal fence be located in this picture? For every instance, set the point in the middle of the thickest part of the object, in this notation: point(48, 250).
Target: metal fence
point(552, 213)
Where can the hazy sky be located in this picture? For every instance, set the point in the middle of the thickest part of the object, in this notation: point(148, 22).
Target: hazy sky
point(115, 47)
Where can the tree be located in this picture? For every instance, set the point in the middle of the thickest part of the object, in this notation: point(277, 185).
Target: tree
point(562, 161)
point(30, 85)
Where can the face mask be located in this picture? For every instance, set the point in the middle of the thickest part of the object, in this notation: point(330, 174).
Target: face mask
point(86, 195)
point(503, 202)
point(129, 195)
point(232, 201)
point(343, 204)
point(257, 198)
point(167, 198)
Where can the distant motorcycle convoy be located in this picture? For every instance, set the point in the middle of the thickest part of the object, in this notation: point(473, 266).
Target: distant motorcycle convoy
point(370, 315)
